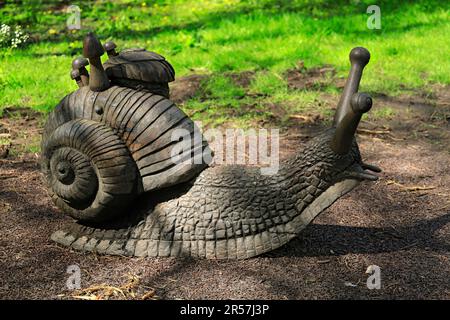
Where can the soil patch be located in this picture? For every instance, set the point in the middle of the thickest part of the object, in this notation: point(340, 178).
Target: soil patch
point(242, 79)
point(20, 131)
point(185, 88)
point(317, 78)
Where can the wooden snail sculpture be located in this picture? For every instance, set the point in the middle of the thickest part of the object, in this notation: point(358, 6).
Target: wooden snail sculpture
point(110, 141)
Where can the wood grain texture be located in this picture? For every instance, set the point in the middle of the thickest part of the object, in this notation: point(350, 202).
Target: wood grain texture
point(89, 170)
point(141, 122)
point(140, 69)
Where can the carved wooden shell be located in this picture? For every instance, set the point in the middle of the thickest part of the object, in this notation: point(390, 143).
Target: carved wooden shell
point(139, 68)
point(101, 149)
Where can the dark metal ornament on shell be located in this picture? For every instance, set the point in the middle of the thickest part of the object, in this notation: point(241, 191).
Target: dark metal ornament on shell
point(79, 65)
point(93, 50)
point(75, 75)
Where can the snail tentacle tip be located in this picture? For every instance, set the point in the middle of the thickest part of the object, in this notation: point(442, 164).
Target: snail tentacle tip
point(360, 55)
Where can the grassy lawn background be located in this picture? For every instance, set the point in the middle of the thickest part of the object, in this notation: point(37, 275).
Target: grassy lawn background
point(214, 37)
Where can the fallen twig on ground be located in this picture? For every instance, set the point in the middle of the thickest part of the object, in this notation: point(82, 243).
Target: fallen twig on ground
point(409, 188)
point(368, 131)
point(105, 292)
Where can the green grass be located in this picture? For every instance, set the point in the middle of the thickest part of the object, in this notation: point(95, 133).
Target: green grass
point(268, 83)
point(222, 87)
point(5, 141)
point(217, 36)
point(383, 112)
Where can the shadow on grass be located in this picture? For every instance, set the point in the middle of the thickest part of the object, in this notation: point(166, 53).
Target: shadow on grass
point(311, 9)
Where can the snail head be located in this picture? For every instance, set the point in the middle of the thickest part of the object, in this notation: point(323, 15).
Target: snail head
point(337, 146)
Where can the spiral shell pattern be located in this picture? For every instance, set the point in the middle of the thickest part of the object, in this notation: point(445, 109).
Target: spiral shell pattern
point(89, 170)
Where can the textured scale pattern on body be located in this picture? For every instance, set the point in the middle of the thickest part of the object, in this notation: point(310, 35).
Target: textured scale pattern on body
point(218, 218)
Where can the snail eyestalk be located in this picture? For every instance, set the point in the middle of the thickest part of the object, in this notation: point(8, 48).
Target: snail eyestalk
point(359, 57)
point(93, 50)
point(346, 128)
point(351, 105)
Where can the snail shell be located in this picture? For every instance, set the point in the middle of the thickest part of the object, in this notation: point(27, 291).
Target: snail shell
point(102, 149)
point(88, 169)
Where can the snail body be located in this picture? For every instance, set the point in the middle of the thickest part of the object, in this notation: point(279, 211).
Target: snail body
point(226, 212)
point(104, 145)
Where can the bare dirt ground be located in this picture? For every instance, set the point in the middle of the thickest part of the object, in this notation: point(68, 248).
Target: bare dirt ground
point(400, 223)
